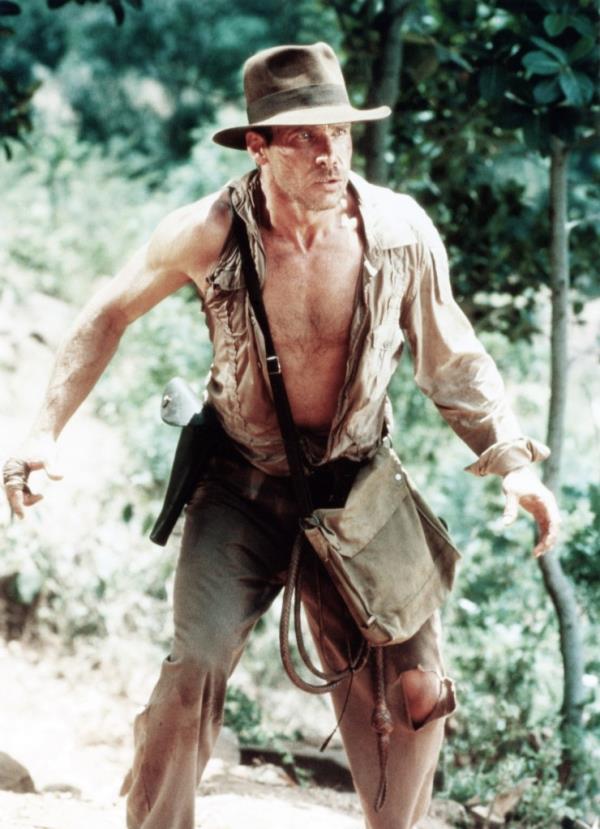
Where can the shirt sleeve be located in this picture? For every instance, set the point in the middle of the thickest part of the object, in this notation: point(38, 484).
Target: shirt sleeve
point(453, 368)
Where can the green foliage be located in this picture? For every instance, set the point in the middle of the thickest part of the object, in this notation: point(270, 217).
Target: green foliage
point(581, 560)
point(502, 643)
point(116, 6)
point(550, 71)
point(244, 716)
point(17, 82)
point(466, 108)
point(148, 85)
point(498, 270)
point(62, 215)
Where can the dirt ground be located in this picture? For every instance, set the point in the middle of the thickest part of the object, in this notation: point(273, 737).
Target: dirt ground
point(64, 722)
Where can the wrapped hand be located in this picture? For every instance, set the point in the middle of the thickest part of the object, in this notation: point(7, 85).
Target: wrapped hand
point(16, 471)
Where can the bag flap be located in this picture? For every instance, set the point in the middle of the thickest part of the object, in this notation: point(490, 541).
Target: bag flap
point(379, 488)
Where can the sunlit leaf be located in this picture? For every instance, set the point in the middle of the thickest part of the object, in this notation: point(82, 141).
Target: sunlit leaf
point(559, 54)
point(555, 24)
point(539, 63)
point(549, 5)
point(546, 92)
point(582, 48)
point(584, 26)
point(577, 87)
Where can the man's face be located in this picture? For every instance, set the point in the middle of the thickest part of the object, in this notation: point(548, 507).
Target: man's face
point(310, 164)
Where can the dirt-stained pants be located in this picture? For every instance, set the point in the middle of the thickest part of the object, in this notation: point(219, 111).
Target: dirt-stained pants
point(237, 541)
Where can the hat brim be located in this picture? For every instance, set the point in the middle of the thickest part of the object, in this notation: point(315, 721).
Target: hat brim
point(235, 137)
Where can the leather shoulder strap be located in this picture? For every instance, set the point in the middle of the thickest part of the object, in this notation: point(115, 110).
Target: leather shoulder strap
point(285, 418)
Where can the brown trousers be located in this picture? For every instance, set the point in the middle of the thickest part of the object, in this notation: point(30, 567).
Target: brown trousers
point(236, 545)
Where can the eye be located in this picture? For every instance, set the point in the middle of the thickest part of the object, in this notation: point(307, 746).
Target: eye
point(339, 132)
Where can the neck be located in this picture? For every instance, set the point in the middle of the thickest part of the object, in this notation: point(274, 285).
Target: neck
point(294, 221)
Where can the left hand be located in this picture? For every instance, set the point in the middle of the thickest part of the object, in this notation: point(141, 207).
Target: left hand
point(39, 452)
point(523, 487)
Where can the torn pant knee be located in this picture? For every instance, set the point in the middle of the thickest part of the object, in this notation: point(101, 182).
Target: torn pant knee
point(423, 700)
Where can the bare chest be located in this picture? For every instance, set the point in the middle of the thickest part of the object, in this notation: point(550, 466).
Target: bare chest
point(309, 297)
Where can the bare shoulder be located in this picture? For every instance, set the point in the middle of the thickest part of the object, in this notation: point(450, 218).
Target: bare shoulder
point(190, 239)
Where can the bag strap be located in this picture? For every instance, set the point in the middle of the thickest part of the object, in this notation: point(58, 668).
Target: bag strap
point(382, 721)
point(287, 426)
point(300, 484)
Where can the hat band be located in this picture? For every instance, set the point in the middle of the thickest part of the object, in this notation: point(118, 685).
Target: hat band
point(322, 94)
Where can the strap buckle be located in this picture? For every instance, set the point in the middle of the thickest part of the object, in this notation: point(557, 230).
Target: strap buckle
point(273, 364)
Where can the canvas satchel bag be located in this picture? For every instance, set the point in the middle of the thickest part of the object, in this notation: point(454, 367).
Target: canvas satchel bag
point(389, 556)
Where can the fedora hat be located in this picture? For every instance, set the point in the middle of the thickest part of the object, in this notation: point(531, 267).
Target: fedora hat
point(292, 86)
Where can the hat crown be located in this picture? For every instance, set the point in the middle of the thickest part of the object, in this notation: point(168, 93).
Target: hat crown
point(295, 85)
point(287, 68)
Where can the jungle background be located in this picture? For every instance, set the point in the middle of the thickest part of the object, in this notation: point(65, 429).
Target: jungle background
point(106, 112)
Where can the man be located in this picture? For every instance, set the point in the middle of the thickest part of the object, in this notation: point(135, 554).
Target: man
point(347, 270)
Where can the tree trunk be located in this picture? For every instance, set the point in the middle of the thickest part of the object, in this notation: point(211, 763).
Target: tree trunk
point(556, 583)
point(384, 87)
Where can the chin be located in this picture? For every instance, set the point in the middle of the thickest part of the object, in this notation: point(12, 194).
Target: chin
point(325, 201)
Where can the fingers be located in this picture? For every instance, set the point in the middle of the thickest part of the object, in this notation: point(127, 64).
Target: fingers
point(15, 501)
point(511, 508)
point(53, 473)
point(15, 476)
point(31, 498)
point(18, 499)
point(48, 465)
point(548, 521)
point(547, 516)
point(523, 488)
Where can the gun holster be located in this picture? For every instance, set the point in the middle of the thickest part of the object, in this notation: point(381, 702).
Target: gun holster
point(200, 433)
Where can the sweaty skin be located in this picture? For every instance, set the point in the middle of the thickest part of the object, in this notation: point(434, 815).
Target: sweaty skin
point(313, 242)
point(314, 247)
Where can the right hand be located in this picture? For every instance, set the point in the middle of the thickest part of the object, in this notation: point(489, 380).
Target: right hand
point(37, 453)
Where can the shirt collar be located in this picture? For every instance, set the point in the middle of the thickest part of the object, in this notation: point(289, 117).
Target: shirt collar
point(385, 214)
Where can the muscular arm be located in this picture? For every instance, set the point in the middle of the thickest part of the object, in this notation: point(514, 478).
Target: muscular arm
point(94, 337)
point(183, 249)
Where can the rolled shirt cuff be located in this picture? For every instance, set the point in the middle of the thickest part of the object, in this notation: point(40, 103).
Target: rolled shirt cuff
point(505, 456)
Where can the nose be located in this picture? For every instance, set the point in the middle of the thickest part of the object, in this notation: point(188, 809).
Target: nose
point(326, 151)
